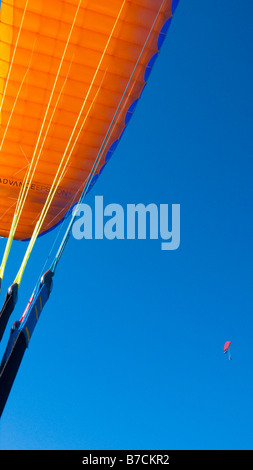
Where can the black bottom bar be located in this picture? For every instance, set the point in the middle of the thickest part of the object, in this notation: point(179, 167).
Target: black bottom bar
point(117, 459)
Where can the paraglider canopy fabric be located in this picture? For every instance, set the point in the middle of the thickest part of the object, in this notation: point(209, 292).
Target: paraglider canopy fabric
point(65, 67)
point(226, 346)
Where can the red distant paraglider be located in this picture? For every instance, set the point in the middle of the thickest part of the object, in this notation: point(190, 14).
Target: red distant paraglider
point(227, 349)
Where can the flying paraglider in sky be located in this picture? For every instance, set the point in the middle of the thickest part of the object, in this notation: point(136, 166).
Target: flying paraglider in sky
point(71, 75)
point(227, 349)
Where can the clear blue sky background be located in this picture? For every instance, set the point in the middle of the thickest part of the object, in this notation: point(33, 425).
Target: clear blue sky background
point(128, 353)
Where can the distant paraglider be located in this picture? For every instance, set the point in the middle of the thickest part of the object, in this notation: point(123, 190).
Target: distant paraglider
point(227, 349)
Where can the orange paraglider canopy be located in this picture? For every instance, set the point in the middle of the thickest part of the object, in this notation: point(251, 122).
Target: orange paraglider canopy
point(71, 74)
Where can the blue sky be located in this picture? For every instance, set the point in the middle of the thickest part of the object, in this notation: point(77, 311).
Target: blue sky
point(128, 353)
